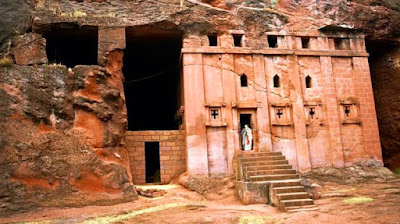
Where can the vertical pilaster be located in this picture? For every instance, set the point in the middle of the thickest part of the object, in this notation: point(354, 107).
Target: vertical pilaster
point(369, 123)
point(335, 151)
point(195, 119)
point(299, 121)
point(264, 129)
point(228, 80)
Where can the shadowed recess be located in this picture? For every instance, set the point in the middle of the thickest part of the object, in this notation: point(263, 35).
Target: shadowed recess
point(151, 70)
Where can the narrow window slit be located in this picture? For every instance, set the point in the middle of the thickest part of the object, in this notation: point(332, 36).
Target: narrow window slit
point(243, 80)
point(308, 82)
point(277, 81)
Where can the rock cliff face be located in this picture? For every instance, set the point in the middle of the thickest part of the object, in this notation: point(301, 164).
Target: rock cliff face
point(58, 142)
point(385, 72)
point(61, 129)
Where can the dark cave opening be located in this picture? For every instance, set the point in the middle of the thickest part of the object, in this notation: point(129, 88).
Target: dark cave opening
point(384, 65)
point(152, 76)
point(72, 46)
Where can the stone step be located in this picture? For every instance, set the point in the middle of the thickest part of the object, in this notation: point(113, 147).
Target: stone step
point(291, 189)
point(273, 177)
point(262, 158)
point(291, 196)
point(302, 208)
point(258, 154)
point(267, 167)
point(285, 183)
point(267, 172)
point(295, 202)
point(265, 163)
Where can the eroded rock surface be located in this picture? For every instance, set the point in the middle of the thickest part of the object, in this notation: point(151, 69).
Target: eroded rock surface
point(61, 129)
point(51, 151)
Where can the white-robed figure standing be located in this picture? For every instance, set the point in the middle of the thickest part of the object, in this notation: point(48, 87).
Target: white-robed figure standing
point(247, 138)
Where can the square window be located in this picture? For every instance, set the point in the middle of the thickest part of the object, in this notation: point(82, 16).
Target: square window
point(213, 40)
point(305, 42)
point(272, 41)
point(237, 40)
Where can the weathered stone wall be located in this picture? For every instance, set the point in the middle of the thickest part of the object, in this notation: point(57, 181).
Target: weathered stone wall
point(172, 153)
point(61, 128)
point(60, 138)
point(385, 73)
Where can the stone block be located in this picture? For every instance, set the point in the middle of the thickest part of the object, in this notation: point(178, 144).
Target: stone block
point(253, 192)
point(29, 49)
point(110, 39)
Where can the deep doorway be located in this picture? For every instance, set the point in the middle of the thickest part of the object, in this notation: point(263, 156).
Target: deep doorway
point(152, 155)
point(245, 119)
point(152, 80)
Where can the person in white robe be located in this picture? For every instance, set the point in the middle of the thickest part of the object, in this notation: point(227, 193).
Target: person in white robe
point(247, 138)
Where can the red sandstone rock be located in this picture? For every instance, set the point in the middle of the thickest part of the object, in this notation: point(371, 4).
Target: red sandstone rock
point(60, 128)
point(29, 49)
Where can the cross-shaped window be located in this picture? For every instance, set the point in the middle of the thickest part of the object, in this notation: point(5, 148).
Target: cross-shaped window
point(312, 112)
point(214, 114)
point(347, 110)
point(279, 113)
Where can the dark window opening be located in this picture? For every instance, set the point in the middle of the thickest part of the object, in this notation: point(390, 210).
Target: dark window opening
point(72, 46)
point(152, 156)
point(213, 40)
point(243, 80)
point(273, 41)
point(237, 39)
point(277, 82)
point(308, 82)
point(152, 80)
point(245, 119)
point(342, 43)
point(305, 42)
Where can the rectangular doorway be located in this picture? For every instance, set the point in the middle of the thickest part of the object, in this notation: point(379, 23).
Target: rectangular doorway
point(245, 119)
point(152, 156)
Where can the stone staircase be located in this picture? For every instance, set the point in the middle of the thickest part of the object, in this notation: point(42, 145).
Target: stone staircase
point(283, 183)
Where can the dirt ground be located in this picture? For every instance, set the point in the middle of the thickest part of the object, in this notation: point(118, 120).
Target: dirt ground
point(378, 202)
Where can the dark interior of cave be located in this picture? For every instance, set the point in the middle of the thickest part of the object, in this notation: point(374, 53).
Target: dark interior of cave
point(152, 75)
point(386, 91)
point(72, 46)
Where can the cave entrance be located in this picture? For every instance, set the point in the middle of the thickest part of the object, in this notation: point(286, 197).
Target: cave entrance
point(152, 80)
point(384, 76)
point(152, 155)
point(72, 45)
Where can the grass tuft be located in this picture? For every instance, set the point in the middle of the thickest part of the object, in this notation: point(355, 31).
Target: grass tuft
point(358, 200)
point(5, 62)
point(254, 219)
point(79, 13)
point(119, 218)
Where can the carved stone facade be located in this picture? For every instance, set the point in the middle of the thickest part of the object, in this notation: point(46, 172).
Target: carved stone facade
point(308, 95)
